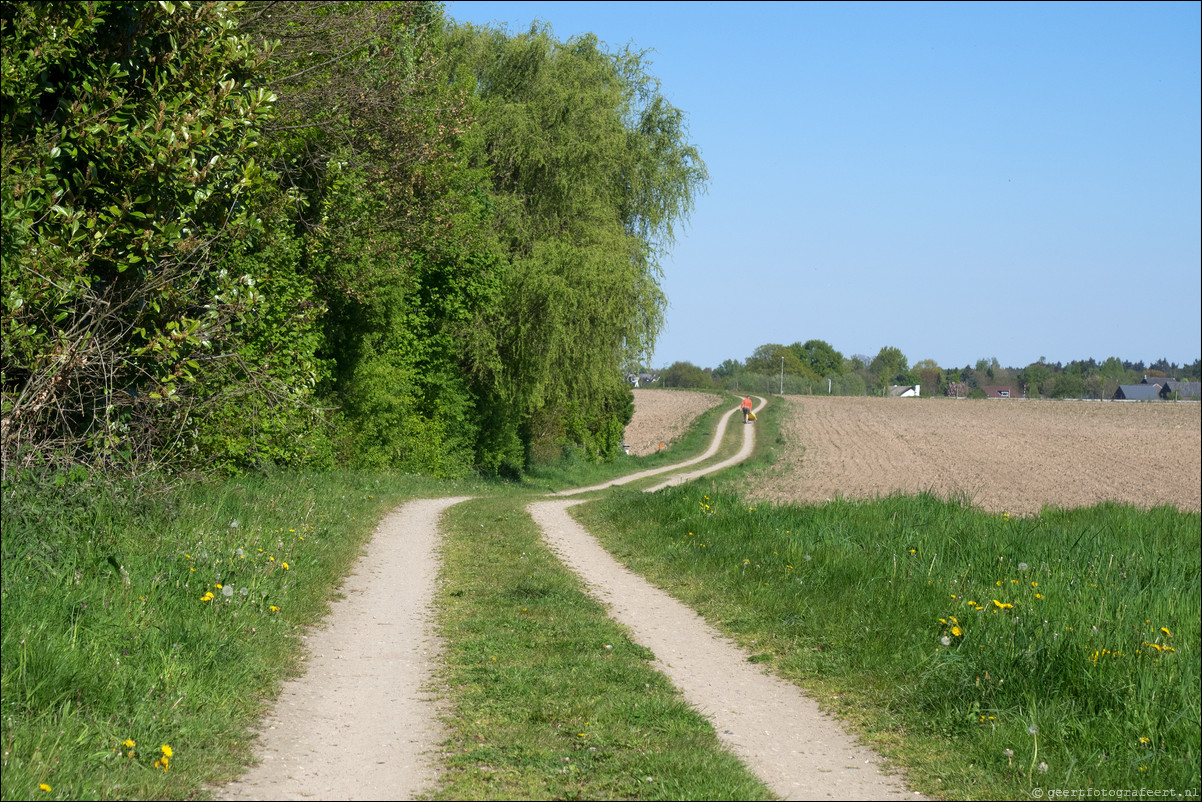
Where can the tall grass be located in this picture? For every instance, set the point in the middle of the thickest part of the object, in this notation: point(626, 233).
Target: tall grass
point(143, 627)
point(1000, 654)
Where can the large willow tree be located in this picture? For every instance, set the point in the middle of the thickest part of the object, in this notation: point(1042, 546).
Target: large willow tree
point(590, 172)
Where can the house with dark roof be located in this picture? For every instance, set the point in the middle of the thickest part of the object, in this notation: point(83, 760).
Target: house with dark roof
point(1173, 390)
point(1137, 392)
point(1000, 391)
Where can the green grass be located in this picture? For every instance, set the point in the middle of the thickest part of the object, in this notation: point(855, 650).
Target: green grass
point(109, 635)
point(550, 698)
point(947, 634)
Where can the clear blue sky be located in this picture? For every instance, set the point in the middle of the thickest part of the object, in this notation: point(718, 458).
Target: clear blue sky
point(957, 180)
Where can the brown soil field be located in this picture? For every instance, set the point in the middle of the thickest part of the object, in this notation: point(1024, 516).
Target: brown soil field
point(660, 416)
point(1002, 456)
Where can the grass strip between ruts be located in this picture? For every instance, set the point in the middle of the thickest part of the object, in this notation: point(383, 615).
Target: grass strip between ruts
point(549, 698)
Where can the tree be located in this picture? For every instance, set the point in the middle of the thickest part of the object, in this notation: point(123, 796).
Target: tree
point(396, 229)
point(890, 366)
point(129, 176)
point(728, 368)
point(1035, 375)
point(930, 375)
point(819, 357)
point(686, 374)
point(591, 171)
point(772, 358)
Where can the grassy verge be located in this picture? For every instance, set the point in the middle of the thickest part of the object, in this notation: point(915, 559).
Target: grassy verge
point(991, 655)
point(550, 699)
point(143, 627)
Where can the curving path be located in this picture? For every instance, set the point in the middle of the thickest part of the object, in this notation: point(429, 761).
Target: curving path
point(360, 724)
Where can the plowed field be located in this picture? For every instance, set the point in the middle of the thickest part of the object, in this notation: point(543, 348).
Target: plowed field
point(1003, 456)
point(660, 416)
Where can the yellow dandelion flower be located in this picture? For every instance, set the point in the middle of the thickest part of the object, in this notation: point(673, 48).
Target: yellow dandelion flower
point(207, 597)
point(957, 631)
point(1165, 630)
point(44, 787)
point(285, 566)
point(274, 609)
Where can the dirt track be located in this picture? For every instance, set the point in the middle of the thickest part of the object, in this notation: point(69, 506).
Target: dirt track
point(361, 725)
point(1004, 456)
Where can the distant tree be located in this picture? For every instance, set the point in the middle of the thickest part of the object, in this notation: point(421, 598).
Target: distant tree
point(727, 369)
point(977, 392)
point(1035, 375)
point(988, 367)
point(957, 390)
point(890, 366)
point(1113, 368)
point(685, 374)
point(819, 356)
point(930, 376)
point(1165, 366)
point(769, 358)
point(1064, 385)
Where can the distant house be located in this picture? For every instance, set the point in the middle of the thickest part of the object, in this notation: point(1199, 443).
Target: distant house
point(1176, 391)
point(641, 379)
point(1000, 392)
point(904, 391)
point(1137, 392)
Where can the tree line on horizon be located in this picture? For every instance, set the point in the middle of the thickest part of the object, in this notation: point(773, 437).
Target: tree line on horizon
point(816, 367)
point(325, 233)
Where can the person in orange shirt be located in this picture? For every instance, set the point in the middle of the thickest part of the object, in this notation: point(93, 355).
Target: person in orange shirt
point(746, 407)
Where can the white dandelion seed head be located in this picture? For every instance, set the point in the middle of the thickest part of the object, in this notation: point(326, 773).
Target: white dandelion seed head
point(945, 640)
point(1009, 753)
point(227, 591)
point(234, 524)
point(1032, 729)
point(1023, 566)
point(1043, 767)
